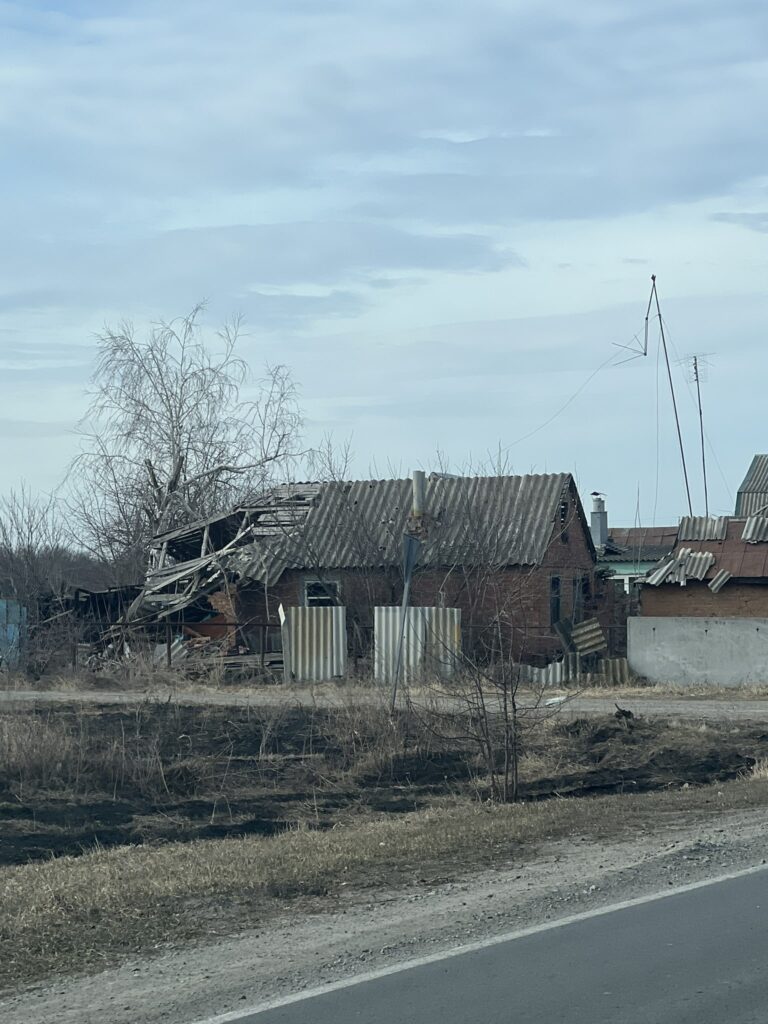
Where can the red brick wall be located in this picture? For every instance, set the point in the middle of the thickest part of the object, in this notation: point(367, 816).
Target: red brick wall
point(736, 600)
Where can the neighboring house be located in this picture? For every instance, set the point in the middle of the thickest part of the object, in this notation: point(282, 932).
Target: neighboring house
point(514, 553)
point(704, 609)
point(752, 496)
point(628, 553)
point(633, 551)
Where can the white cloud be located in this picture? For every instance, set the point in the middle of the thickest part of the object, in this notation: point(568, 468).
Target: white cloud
point(375, 170)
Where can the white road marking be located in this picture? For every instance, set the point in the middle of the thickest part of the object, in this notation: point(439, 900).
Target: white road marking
point(407, 965)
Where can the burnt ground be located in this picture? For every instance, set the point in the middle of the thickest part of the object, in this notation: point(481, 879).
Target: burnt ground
point(72, 778)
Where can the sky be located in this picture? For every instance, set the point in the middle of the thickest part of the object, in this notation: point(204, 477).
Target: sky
point(443, 217)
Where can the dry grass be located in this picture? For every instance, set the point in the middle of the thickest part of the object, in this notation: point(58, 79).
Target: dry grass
point(77, 913)
point(80, 913)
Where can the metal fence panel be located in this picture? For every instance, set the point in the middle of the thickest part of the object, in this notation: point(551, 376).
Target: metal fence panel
point(314, 643)
point(431, 642)
point(13, 621)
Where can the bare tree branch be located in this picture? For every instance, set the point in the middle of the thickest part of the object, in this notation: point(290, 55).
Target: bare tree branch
point(176, 429)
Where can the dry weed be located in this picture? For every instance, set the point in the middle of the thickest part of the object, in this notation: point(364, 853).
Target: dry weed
point(85, 912)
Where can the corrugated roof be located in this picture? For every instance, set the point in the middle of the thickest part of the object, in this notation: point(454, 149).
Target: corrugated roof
point(719, 580)
point(753, 493)
point(698, 564)
point(468, 521)
point(660, 574)
point(702, 528)
point(640, 543)
point(684, 565)
point(755, 530)
point(588, 637)
point(502, 520)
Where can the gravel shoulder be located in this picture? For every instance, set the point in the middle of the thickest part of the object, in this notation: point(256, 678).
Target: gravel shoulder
point(363, 931)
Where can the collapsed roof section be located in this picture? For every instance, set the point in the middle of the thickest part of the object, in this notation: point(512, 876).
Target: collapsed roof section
point(250, 543)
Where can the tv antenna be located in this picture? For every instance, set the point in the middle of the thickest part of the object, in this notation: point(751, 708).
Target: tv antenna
point(698, 370)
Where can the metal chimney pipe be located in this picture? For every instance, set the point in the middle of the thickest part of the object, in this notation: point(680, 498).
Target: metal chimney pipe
point(598, 523)
point(419, 491)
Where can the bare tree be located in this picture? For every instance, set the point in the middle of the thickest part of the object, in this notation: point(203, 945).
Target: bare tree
point(176, 430)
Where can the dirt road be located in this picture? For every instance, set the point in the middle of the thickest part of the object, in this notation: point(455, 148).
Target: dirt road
point(719, 708)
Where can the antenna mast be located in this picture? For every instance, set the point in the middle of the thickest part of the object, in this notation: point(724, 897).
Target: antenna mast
point(655, 297)
point(697, 381)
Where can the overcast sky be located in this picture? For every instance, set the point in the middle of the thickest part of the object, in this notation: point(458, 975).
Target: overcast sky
point(443, 216)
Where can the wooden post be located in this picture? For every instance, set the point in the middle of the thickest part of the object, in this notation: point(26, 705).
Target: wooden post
point(168, 644)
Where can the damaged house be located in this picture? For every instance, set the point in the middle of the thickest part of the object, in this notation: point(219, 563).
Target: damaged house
point(704, 609)
point(513, 553)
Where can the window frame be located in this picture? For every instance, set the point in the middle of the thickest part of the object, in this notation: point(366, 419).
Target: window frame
point(326, 600)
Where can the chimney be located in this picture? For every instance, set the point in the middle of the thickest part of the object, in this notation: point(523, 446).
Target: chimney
point(419, 487)
point(598, 525)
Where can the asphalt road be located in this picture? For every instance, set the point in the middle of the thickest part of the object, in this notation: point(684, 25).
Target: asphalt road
point(694, 707)
point(695, 957)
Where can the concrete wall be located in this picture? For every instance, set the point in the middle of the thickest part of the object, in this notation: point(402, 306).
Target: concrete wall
point(692, 650)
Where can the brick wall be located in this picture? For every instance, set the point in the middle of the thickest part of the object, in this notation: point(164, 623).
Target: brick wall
point(736, 600)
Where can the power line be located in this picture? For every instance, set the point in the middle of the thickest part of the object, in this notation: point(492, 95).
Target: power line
point(563, 407)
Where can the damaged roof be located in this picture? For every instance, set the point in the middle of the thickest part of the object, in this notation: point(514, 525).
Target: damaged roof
point(467, 521)
point(741, 553)
point(502, 520)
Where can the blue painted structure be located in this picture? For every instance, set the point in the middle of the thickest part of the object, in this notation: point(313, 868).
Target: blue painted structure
point(13, 627)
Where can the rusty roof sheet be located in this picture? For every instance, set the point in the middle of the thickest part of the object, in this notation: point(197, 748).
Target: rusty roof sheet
point(702, 528)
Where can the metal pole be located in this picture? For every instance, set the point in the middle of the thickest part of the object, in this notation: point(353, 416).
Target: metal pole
point(697, 378)
point(399, 660)
point(655, 295)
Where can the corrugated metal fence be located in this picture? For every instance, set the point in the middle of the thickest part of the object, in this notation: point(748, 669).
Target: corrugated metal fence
point(314, 643)
point(608, 672)
point(13, 621)
point(431, 642)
